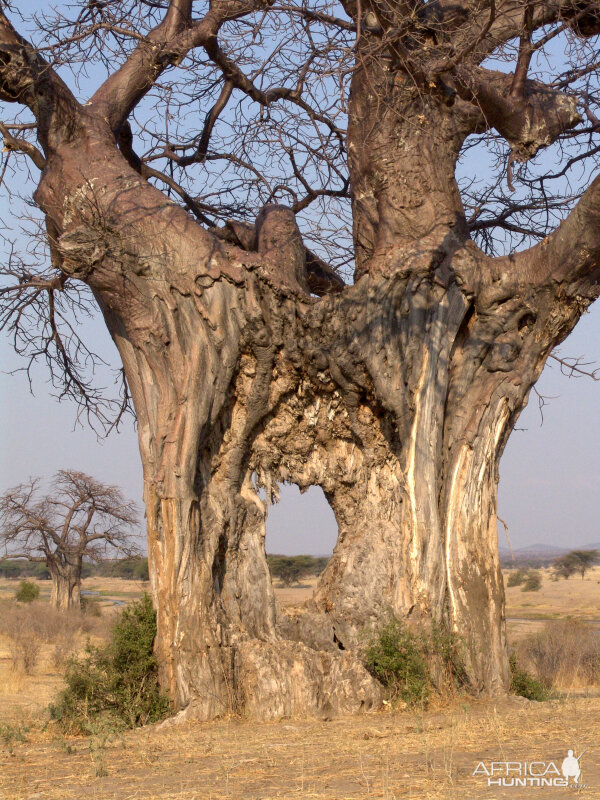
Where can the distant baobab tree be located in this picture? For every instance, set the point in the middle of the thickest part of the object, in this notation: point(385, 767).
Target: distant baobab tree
point(79, 517)
point(263, 201)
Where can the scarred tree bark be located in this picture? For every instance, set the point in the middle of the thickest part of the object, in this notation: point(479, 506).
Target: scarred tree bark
point(396, 395)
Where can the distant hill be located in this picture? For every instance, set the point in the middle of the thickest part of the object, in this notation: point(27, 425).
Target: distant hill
point(540, 553)
point(537, 549)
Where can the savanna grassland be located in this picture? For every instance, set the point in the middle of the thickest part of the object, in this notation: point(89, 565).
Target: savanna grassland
point(418, 752)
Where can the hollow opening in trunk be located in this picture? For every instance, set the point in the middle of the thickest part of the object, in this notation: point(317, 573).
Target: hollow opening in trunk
point(301, 532)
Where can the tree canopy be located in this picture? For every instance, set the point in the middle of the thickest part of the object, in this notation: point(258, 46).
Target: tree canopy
point(577, 561)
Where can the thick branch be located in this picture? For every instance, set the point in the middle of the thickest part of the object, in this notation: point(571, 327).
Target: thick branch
point(517, 89)
point(22, 146)
point(25, 77)
point(27, 556)
point(166, 45)
point(570, 254)
point(530, 121)
point(477, 34)
point(178, 17)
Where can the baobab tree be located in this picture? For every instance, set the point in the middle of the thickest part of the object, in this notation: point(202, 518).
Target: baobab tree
point(79, 518)
point(209, 172)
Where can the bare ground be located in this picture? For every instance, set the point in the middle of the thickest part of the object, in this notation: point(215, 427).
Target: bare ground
point(414, 754)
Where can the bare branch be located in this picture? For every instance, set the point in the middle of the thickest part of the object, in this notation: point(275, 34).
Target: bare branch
point(576, 367)
point(22, 145)
point(165, 46)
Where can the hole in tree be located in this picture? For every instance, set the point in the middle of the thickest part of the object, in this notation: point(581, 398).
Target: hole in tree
point(300, 537)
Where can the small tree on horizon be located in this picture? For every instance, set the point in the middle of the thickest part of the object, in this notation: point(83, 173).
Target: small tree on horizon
point(577, 561)
point(584, 560)
point(289, 569)
point(80, 516)
point(562, 568)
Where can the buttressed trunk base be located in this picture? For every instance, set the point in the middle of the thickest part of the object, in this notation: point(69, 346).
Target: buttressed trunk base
point(396, 398)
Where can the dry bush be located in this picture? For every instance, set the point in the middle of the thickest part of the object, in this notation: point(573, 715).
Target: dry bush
point(19, 625)
point(29, 627)
point(565, 653)
point(64, 646)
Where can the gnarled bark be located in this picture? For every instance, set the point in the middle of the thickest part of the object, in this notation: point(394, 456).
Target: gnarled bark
point(402, 431)
point(396, 396)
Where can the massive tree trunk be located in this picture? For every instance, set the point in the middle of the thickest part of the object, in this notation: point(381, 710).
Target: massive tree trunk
point(66, 584)
point(396, 396)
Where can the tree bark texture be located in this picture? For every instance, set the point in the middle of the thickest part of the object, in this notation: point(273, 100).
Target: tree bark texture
point(66, 585)
point(396, 396)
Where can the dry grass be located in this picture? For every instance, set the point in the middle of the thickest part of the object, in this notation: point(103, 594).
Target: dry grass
point(565, 654)
point(574, 597)
point(419, 754)
point(35, 642)
point(295, 595)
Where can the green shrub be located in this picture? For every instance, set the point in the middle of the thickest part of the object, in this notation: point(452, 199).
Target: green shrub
point(117, 683)
point(525, 684)
point(27, 592)
point(11, 733)
point(394, 656)
point(533, 582)
point(516, 578)
point(413, 664)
